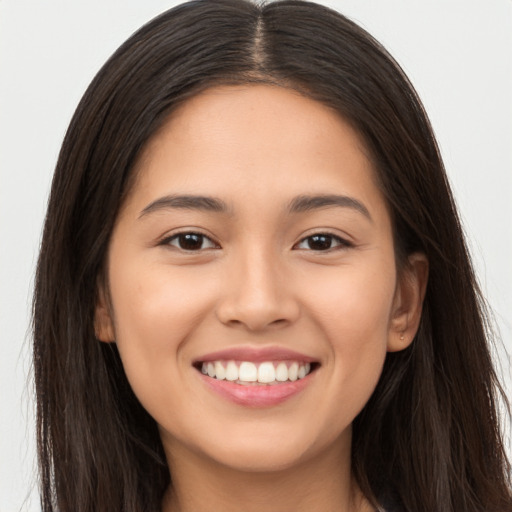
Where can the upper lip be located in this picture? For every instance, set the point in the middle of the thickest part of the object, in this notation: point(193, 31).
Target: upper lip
point(256, 355)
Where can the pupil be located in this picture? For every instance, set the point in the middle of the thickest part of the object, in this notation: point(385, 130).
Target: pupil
point(191, 241)
point(319, 242)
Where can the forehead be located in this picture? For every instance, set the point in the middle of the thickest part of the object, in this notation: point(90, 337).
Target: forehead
point(255, 141)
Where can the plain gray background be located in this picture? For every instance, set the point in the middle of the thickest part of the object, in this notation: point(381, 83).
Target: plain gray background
point(458, 53)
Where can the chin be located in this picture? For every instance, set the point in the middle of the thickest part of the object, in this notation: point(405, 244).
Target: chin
point(258, 459)
point(268, 450)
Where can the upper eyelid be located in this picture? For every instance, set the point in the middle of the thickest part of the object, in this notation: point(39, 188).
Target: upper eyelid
point(342, 238)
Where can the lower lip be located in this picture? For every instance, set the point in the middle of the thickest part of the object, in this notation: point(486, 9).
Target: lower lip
point(256, 395)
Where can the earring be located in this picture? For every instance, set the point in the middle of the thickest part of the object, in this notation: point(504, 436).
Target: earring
point(402, 337)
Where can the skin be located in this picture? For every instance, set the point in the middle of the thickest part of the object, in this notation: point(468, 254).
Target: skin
point(256, 281)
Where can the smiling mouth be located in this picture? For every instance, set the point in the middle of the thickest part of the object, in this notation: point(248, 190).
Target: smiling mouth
point(264, 373)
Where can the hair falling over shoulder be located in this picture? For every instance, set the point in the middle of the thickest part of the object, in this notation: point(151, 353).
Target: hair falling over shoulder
point(429, 439)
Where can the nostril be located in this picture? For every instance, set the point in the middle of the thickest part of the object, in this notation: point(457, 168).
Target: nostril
point(279, 321)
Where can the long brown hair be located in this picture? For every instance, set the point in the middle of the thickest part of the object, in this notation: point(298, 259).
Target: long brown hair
point(428, 440)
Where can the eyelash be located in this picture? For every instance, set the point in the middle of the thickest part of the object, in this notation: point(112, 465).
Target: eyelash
point(341, 243)
point(178, 236)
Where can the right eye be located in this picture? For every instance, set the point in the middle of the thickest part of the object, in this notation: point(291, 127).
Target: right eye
point(190, 242)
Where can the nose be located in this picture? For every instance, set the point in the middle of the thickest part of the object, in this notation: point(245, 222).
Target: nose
point(259, 294)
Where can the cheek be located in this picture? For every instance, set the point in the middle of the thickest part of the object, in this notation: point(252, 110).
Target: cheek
point(156, 310)
point(353, 311)
point(155, 302)
point(354, 303)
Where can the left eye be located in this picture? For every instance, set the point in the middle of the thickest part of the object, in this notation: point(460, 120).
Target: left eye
point(190, 242)
point(322, 242)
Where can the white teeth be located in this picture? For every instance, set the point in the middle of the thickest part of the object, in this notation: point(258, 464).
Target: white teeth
point(246, 372)
point(266, 373)
point(282, 372)
point(293, 371)
point(220, 372)
point(231, 371)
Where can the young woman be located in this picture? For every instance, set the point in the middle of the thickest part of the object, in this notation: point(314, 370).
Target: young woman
point(253, 288)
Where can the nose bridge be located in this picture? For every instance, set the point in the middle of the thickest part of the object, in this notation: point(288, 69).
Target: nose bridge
point(258, 295)
point(259, 276)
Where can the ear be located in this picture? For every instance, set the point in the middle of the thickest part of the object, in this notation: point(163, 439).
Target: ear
point(103, 324)
point(408, 302)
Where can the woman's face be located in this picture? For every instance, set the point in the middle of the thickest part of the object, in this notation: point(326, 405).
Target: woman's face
point(255, 246)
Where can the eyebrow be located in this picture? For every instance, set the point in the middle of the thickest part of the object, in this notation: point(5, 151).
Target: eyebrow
point(299, 204)
point(186, 202)
point(305, 203)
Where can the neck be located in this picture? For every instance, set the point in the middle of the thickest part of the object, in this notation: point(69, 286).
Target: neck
point(321, 484)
